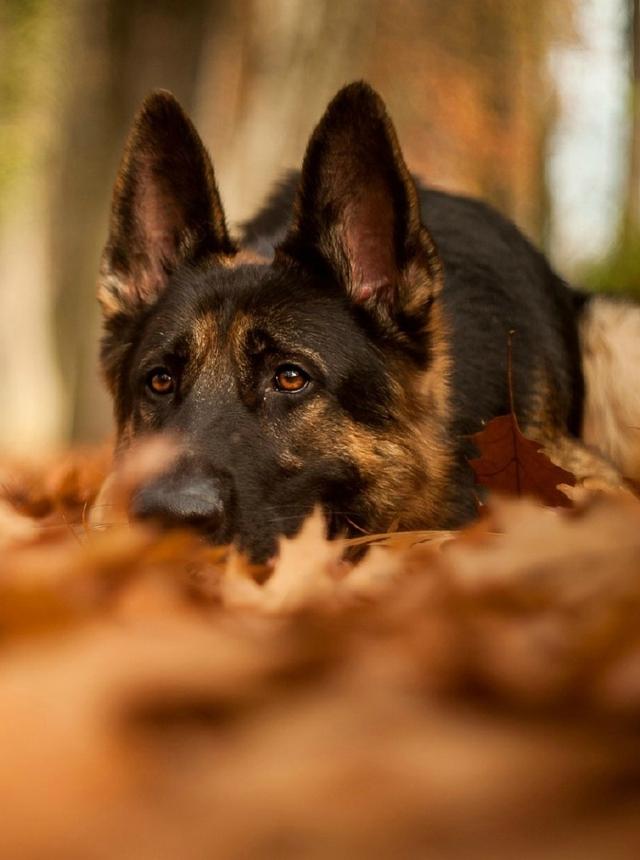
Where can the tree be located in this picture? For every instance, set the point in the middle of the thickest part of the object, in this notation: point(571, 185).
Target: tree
point(631, 211)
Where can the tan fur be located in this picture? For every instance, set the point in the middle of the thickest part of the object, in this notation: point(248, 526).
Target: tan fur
point(244, 257)
point(541, 424)
point(204, 334)
point(428, 445)
point(588, 466)
point(610, 339)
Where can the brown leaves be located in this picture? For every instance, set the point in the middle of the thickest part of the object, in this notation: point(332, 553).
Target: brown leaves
point(513, 465)
point(460, 693)
point(552, 600)
point(59, 488)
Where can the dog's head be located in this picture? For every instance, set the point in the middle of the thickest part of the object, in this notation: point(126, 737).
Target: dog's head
point(313, 378)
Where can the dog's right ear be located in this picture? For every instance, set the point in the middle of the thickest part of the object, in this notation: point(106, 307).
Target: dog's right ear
point(166, 209)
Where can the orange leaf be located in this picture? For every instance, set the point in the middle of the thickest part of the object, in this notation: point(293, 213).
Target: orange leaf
point(513, 465)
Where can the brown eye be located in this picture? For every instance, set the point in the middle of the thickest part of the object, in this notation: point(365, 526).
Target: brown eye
point(160, 381)
point(290, 378)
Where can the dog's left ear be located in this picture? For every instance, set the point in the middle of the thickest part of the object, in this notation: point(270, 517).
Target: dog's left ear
point(357, 212)
point(166, 210)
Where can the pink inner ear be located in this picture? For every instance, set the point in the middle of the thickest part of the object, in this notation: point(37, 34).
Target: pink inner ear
point(369, 239)
point(160, 223)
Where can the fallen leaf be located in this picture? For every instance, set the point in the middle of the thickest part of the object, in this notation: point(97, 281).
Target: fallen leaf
point(513, 465)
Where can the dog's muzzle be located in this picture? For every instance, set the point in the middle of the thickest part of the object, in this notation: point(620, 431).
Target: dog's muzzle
point(182, 499)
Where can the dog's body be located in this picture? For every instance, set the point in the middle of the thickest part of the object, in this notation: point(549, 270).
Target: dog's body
point(344, 357)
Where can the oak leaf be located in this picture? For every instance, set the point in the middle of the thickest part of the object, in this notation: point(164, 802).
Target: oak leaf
point(513, 465)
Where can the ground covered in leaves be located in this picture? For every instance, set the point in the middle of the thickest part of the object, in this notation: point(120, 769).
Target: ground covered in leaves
point(460, 695)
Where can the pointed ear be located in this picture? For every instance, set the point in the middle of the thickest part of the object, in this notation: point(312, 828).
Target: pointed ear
point(357, 211)
point(166, 210)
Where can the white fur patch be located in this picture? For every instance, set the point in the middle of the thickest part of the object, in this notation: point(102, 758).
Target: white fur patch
point(610, 340)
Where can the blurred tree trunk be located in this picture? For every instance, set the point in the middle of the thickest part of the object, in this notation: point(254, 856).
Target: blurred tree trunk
point(466, 85)
point(33, 402)
point(269, 70)
point(122, 50)
point(631, 213)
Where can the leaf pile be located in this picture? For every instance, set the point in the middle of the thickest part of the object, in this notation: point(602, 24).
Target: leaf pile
point(452, 696)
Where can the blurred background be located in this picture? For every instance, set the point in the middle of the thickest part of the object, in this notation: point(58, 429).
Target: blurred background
point(533, 106)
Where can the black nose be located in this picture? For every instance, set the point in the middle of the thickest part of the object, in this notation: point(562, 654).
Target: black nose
point(183, 500)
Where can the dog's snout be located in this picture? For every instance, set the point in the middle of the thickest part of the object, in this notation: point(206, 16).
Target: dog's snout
point(183, 501)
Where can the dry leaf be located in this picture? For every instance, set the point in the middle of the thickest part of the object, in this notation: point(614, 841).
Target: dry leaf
point(513, 465)
point(461, 695)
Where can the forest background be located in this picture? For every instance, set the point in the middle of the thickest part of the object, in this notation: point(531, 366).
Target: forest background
point(533, 106)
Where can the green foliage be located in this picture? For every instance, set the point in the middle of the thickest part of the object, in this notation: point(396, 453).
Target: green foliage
point(618, 272)
point(28, 50)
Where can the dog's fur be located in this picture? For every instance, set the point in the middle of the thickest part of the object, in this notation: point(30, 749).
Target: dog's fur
point(397, 306)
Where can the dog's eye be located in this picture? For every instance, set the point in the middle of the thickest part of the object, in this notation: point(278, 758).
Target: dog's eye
point(289, 377)
point(160, 381)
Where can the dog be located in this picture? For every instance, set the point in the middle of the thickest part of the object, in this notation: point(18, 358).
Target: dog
point(342, 353)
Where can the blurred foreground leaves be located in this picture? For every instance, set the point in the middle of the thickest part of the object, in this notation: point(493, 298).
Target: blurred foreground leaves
point(456, 696)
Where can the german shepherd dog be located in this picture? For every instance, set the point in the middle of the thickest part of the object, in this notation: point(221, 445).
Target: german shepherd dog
point(341, 354)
